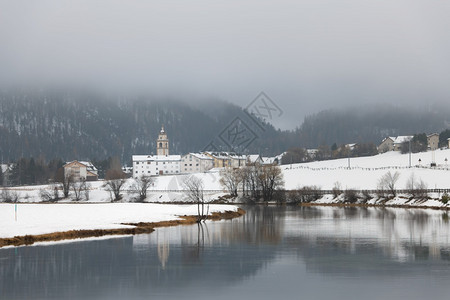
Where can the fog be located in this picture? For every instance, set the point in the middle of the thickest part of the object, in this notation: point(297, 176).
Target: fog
point(306, 55)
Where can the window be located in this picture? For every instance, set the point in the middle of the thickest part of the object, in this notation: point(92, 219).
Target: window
point(137, 162)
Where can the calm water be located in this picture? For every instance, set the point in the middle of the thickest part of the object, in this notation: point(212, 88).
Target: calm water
point(289, 253)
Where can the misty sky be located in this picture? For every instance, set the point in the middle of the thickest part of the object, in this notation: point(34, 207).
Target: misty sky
point(306, 55)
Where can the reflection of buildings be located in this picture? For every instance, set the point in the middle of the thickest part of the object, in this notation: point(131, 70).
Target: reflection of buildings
point(163, 248)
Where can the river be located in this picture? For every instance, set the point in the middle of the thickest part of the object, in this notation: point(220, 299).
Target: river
point(270, 253)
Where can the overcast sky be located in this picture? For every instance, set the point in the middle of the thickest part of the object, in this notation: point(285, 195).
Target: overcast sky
point(306, 55)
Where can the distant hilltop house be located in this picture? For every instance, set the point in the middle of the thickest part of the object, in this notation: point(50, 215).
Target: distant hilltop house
point(433, 141)
point(81, 170)
point(393, 143)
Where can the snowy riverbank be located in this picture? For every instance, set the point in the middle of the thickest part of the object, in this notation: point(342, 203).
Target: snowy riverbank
point(34, 219)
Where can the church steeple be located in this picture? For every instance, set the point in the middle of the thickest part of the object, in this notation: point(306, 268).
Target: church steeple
point(162, 144)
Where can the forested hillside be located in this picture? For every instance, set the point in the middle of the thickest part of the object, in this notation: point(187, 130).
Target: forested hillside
point(69, 125)
point(370, 124)
point(88, 126)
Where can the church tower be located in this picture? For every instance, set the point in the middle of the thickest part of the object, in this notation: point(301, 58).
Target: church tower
point(162, 144)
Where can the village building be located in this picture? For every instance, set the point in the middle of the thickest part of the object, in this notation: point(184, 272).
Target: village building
point(238, 161)
point(221, 159)
point(254, 159)
point(81, 170)
point(386, 145)
point(433, 141)
point(154, 165)
point(393, 143)
point(196, 163)
point(162, 144)
point(160, 164)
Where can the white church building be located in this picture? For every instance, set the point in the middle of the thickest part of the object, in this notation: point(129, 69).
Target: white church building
point(160, 164)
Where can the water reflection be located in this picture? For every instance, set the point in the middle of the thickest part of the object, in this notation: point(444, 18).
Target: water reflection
point(205, 260)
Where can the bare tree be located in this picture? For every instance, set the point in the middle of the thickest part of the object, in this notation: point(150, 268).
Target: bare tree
point(417, 188)
point(65, 179)
point(194, 190)
point(388, 182)
point(140, 186)
point(78, 187)
point(86, 191)
point(271, 179)
point(115, 180)
point(231, 178)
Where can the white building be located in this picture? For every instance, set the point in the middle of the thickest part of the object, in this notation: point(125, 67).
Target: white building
point(161, 164)
point(196, 163)
point(154, 165)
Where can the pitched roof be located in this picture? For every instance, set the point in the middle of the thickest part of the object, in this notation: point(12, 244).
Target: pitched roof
point(156, 157)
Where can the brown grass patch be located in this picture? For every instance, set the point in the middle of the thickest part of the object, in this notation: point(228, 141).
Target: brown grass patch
point(139, 228)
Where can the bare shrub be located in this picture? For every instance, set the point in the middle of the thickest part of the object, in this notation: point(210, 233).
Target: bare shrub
point(9, 196)
point(337, 189)
point(140, 187)
point(50, 193)
point(388, 181)
point(417, 188)
point(366, 196)
point(350, 196)
point(115, 179)
point(305, 194)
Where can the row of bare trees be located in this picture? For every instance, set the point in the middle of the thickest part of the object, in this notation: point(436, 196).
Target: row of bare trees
point(256, 182)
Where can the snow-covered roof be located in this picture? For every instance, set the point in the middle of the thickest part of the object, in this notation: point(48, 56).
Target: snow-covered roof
point(199, 156)
point(219, 155)
point(156, 157)
point(254, 158)
point(402, 138)
point(6, 167)
point(89, 165)
point(312, 151)
point(269, 160)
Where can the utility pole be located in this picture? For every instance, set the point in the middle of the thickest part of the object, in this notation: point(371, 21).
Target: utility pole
point(410, 153)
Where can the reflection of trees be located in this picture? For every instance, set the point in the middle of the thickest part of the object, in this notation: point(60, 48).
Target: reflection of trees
point(260, 225)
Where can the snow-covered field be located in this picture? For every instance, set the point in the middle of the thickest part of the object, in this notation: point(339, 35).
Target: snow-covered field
point(365, 172)
point(35, 219)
